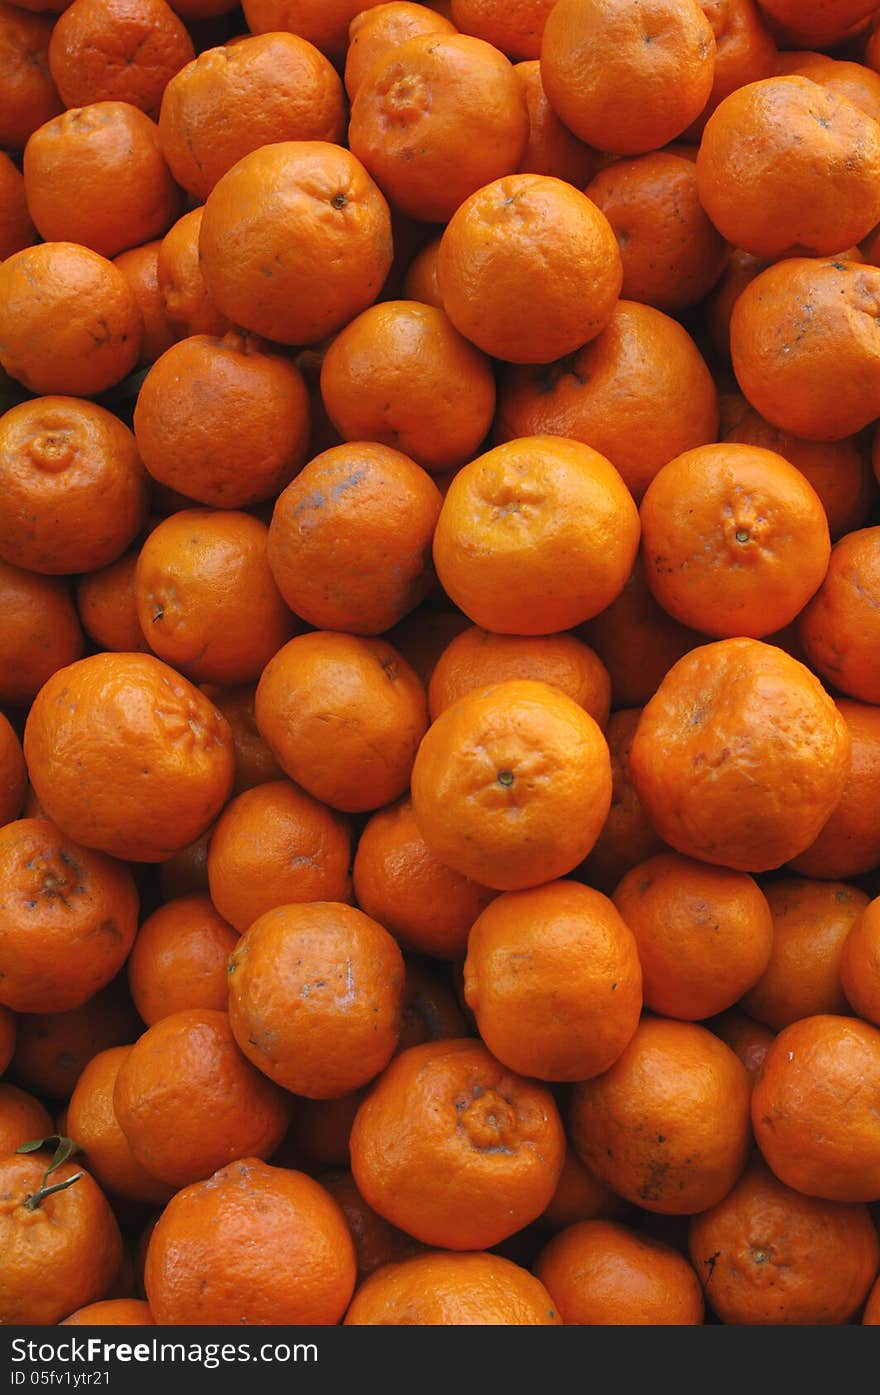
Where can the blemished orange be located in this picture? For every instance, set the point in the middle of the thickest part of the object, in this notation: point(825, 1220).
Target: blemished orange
point(39, 632)
point(628, 79)
point(551, 148)
point(235, 98)
point(811, 922)
point(73, 489)
point(254, 762)
point(22, 1117)
point(13, 773)
point(117, 51)
point(732, 729)
point(53, 1048)
point(107, 608)
point(213, 1255)
point(92, 1122)
point(28, 96)
point(667, 1127)
point(601, 1273)
point(295, 241)
point(325, 23)
point(223, 419)
point(68, 917)
point(744, 51)
point(69, 321)
point(552, 976)
point(627, 837)
point(275, 845)
point(350, 539)
point(838, 629)
point(534, 230)
point(435, 119)
point(512, 784)
point(814, 1110)
point(16, 227)
point(140, 267)
point(735, 540)
point(704, 934)
point(315, 994)
point(860, 965)
point(179, 959)
point(536, 536)
point(112, 1312)
point(188, 306)
point(450, 1109)
point(452, 1290)
point(127, 756)
point(376, 1242)
point(640, 393)
point(363, 757)
point(188, 1102)
point(375, 31)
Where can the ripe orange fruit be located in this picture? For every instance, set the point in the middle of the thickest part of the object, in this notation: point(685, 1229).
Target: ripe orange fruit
point(189, 308)
point(579, 1196)
point(376, 1242)
point(858, 84)
point(627, 837)
point(420, 282)
point(179, 959)
point(113, 1312)
point(13, 773)
point(837, 629)
point(28, 96)
point(744, 50)
point(117, 51)
point(430, 1007)
point(140, 267)
point(860, 965)
point(53, 1048)
point(380, 29)
point(601, 1273)
point(22, 1117)
point(748, 1040)
point(551, 148)
point(16, 228)
point(107, 608)
point(254, 762)
point(324, 23)
point(817, 18)
point(39, 632)
point(452, 1290)
point(92, 1121)
point(321, 1129)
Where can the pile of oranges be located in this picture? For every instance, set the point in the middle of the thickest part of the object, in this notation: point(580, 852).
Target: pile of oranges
point(440, 656)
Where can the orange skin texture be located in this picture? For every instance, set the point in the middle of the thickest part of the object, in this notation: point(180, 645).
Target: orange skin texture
point(139, 266)
point(704, 934)
point(818, 18)
point(671, 254)
point(742, 268)
point(233, 99)
point(858, 84)
point(450, 1109)
point(741, 756)
point(179, 959)
point(186, 872)
point(126, 755)
point(213, 1255)
point(579, 1196)
point(420, 282)
point(53, 1049)
point(628, 80)
point(536, 536)
point(422, 636)
point(207, 602)
point(627, 838)
point(254, 762)
point(838, 470)
point(276, 846)
point(117, 51)
point(735, 540)
point(430, 1009)
point(767, 1255)
point(92, 1121)
point(378, 30)
point(640, 394)
point(39, 632)
point(69, 321)
point(68, 917)
point(452, 1290)
point(375, 1241)
point(814, 1110)
point(315, 997)
point(225, 419)
point(344, 717)
point(811, 922)
point(188, 1102)
point(601, 1273)
point(105, 601)
point(744, 51)
point(512, 785)
point(16, 228)
point(529, 229)
point(113, 1312)
point(295, 241)
point(435, 119)
point(477, 658)
point(398, 881)
point(13, 774)
point(59, 1256)
point(321, 1129)
point(350, 538)
point(74, 491)
point(28, 96)
point(838, 629)
point(514, 26)
point(402, 375)
point(813, 371)
point(325, 23)
point(552, 976)
point(551, 148)
point(189, 308)
point(860, 965)
point(22, 1118)
point(667, 1127)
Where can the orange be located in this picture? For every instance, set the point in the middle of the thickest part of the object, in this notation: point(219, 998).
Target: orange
point(551, 148)
point(140, 267)
point(744, 50)
point(324, 23)
point(420, 282)
point(22, 1117)
point(512, 784)
point(811, 922)
point(179, 959)
point(734, 727)
point(858, 84)
point(818, 19)
point(376, 1242)
point(314, 997)
point(422, 636)
point(53, 1048)
point(321, 1129)
point(214, 1253)
point(67, 918)
point(275, 846)
point(579, 1196)
point(704, 934)
point(860, 965)
point(13, 773)
point(452, 1290)
point(185, 873)
point(117, 51)
point(254, 762)
point(814, 1110)
point(350, 538)
point(627, 79)
point(600, 1273)
point(28, 96)
point(742, 268)
point(536, 536)
point(189, 308)
point(552, 976)
point(837, 629)
point(39, 632)
point(430, 1007)
point(514, 26)
point(448, 1109)
point(231, 100)
point(344, 717)
point(627, 837)
point(113, 1312)
point(295, 241)
point(16, 228)
point(379, 29)
point(667, 1127)
point(127, 756)
point(749, 1040)
point(69, 321)
point(735, 540)
point(435, 119)
point(107, 607)
point(91, 1120)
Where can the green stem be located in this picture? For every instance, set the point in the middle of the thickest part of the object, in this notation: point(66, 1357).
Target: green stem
point(37, 1198)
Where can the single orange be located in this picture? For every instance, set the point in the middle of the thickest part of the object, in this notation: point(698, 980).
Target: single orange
point(179, 959)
